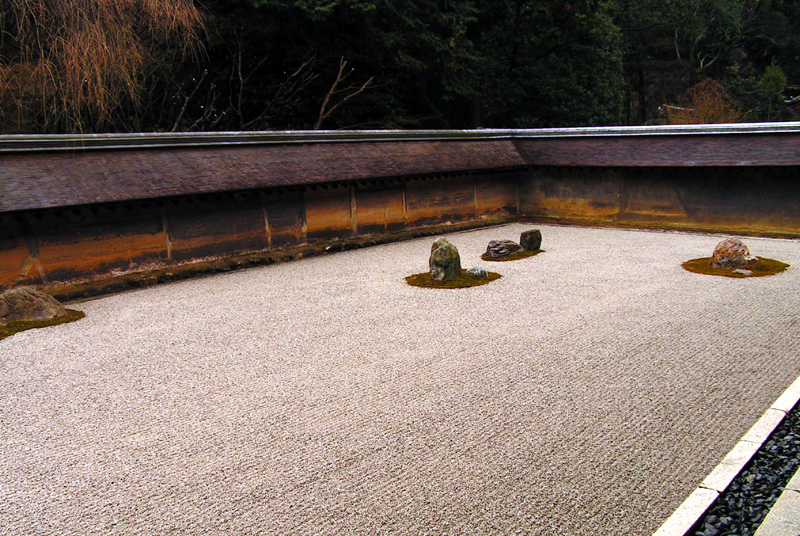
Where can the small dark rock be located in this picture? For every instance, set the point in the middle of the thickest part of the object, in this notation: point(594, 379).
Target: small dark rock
point(531, 240)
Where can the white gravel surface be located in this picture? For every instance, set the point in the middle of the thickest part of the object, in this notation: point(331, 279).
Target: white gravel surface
point(588, 391)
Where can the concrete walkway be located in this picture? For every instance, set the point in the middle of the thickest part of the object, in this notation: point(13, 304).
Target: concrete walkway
point(784, 517)
point(588, 391)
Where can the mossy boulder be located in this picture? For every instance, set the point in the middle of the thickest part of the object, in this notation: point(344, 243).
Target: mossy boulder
point(26, 308)
point(464, 280)
point(762, 267)
point(28, 304)
point(444, 262)
point(732, 253)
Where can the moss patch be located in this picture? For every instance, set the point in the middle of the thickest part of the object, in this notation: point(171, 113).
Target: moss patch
point(15, 326)
point(465, 280)
point(762, 268)
point(513, 257)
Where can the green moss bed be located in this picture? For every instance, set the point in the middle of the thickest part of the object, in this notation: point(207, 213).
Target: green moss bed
point(465, 280)
point(513, 257)
point(763, 267)
point(15, 326)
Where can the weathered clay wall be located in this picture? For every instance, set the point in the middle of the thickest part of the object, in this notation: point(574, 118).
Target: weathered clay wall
point(748, 200)
point(67, 248)
point(97, 213)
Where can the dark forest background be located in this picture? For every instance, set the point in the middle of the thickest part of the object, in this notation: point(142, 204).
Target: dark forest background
point(211, 65)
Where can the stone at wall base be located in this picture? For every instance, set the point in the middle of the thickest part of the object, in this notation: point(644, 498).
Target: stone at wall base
point(26, 303)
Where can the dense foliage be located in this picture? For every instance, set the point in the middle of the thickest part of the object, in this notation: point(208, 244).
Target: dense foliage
point(175, 65)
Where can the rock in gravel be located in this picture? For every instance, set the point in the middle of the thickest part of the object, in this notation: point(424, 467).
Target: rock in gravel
point(732, 253)
point(445, 262)
point(531, 240)
point(502, 248)
point(26, 303)
point(478, 271)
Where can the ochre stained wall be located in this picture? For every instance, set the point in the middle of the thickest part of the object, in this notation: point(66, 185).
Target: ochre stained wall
point(329, 212)
point(380, 207)
point(438, 200)
point(85, 244)
point(203, 226)
point(76, 242)
point(70, 246)
point(753, 200)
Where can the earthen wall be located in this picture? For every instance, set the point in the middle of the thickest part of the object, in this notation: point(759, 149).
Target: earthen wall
point(95, 219)
point(87, 249)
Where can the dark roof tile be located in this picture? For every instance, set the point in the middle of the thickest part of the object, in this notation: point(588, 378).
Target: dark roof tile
point(30, 180)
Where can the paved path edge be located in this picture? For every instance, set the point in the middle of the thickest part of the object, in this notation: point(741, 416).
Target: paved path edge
point(700, 500)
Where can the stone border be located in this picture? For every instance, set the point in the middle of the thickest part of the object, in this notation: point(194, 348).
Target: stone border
point(782, 518)
point(695, 506)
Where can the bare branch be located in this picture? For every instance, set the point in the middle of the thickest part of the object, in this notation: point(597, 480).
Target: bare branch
point(323, 114)
point(186, 102)
point(208, 109)
point(327, 99)
point(286, 91)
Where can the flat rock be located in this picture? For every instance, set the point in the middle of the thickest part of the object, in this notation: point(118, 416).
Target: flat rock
point(502, 248)
point(531, 240)
point(26, 303)
point(732, 253)
point(478, 271)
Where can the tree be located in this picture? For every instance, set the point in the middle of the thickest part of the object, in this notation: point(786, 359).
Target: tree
point(772, 84)
point(548, 64)
point(706, 102)
point(71, 65)
point(671, 46)
point(416, 53)
point(163, 65)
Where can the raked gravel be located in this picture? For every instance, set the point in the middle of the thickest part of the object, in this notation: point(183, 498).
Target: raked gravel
point(588, 391)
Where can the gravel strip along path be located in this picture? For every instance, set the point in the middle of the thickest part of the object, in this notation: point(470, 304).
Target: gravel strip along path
point(743, 506)
point(588, 391)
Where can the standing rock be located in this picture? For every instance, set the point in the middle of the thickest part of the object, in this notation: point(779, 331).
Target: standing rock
point(501, 248)
point(25, 303)
point(531, 240)
point(445, 262)
point(439, 242)
point(732, 253)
